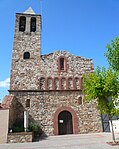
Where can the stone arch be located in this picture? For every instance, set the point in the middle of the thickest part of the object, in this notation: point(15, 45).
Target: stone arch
point(42, 83)
point(70, 83)
point(74, 119)
point(63, 83)
point(26, 55)
point(65, 125)
point(22, 23)
point(77, 83)
point(56, 83)
point(49, 83)
point(33, 24)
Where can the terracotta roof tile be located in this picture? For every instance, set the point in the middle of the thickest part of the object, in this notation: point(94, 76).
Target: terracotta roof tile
point(7, 101)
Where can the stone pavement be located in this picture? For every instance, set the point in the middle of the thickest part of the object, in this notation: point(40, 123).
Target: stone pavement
point(80, 141)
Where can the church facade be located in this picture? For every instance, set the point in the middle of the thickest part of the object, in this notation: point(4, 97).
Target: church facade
point(49, 86)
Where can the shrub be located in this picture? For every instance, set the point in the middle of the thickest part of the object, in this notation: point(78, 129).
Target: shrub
point(35, 128)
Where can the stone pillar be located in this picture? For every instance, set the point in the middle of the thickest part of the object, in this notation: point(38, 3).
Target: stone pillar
point(28, 24)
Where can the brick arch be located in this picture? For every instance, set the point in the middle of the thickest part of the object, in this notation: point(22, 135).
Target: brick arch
point(47, 85)
point(72, 79)
point(42, 83)
point(61, 81)
point(76, 79)
point(74, 119)
point(54, 85)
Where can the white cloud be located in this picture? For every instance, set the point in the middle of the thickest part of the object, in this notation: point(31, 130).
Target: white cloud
point(5, 83)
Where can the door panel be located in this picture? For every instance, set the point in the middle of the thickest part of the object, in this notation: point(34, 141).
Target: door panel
point(65, 125)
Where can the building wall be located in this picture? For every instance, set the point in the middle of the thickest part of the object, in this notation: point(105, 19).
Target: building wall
point(26, 74)
point(49, 88)
point(75, 65)
point(4, 118)
point(25, 69)
point(43, 106)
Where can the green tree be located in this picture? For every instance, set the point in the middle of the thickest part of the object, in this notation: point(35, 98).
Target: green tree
point(112, 54)
point(103, 85)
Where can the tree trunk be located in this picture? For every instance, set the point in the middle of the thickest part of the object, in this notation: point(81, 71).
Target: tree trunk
point(113, 135)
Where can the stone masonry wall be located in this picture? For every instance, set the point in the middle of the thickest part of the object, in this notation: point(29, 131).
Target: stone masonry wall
point(27, 73)
point(19, 137)
point(23, 70)
point(76, 65)
point(43, 106)
point(49, 87)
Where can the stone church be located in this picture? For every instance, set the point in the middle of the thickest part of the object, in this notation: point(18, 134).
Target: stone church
point(49, 87)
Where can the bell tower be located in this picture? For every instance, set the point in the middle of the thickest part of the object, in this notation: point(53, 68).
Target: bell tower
point(26, 51)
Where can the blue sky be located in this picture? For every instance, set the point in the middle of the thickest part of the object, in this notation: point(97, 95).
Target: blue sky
point(82, 27)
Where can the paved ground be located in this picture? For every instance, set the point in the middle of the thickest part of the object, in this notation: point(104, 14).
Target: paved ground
point(80, 141)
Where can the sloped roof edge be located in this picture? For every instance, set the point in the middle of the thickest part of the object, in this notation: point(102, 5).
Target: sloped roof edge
point(7, 101)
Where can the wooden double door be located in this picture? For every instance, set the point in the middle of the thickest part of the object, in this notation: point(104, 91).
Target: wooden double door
point(65, 125)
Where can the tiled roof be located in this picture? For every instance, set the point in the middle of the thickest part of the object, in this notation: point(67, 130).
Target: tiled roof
point(7, 101)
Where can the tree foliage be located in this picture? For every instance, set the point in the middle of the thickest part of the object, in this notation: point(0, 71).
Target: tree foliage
point(112, 54)
point(102, 85)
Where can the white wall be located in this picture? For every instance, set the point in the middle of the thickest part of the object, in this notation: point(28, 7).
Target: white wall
point(4, 118)
point(115, 125)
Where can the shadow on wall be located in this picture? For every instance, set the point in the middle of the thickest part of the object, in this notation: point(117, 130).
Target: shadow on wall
point(16, 121)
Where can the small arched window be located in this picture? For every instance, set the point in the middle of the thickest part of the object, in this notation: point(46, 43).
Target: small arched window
point(62, 64)
point(22, 23)
point(33, 24)
point(26, 55)
point(80, 100)
point(28, 103)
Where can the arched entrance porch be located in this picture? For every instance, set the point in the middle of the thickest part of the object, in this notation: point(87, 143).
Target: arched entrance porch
point(70, 126)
